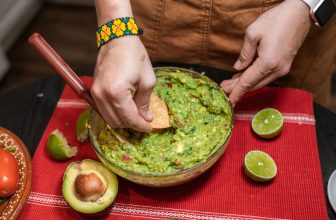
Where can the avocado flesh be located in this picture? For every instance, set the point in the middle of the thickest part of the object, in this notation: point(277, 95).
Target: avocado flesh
point(85, 166)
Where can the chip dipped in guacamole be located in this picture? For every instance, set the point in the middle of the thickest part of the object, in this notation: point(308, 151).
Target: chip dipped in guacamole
point(201, 121)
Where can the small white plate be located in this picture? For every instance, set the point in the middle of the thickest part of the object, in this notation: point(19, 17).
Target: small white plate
point(332, 190)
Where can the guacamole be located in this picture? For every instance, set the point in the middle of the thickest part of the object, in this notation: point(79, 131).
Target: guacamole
point(201, 121)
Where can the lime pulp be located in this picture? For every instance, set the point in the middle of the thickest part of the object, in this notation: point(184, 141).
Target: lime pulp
point(267, 123)
point(259, 166)
point(82, 133)
point(58, 147)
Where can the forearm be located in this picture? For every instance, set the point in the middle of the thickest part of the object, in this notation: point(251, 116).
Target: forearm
point(107, 10)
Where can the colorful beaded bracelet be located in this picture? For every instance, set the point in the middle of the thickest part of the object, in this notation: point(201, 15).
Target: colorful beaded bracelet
point(116, 28)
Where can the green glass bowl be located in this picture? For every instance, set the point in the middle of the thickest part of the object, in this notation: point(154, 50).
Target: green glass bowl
point(156, 180)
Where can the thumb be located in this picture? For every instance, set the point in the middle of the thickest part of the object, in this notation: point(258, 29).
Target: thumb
point(248, 50)
point(142, 97)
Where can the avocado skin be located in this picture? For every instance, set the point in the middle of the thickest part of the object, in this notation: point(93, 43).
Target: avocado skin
point(98, 214)
point(89, 209)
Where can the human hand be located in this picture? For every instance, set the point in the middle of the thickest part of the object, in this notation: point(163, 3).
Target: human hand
point(269, 48)
point(123, 67)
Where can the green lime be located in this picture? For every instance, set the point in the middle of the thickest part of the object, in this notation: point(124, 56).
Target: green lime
point(259, 166)
point(58, 147)
point(267, 123)
point(82, 132)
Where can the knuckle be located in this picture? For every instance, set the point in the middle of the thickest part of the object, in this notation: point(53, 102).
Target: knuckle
point(111, 121)
point(129, 122)
point(110, 90)
point(96, 91)
point(243, 55)
point(271, 64)
point(282, 72)
point(285, 70)
point(118, 125)
point(114, 124)
point(250, 33)
point(114, 90)
point(244, 87)
point(143, 107)
point(150, 82)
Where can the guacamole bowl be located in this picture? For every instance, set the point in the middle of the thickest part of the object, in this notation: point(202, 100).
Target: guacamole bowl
point(201, 119)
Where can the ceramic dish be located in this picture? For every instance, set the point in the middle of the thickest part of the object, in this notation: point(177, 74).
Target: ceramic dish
point(12, 208)
point(332, 190)
point(157, 180)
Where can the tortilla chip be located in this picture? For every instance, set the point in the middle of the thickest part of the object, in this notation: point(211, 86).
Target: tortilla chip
point(160, 113)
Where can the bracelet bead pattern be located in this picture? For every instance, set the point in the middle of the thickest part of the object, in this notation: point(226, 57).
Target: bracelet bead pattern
point(119, 27)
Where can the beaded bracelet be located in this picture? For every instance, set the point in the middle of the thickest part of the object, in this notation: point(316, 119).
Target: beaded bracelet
point(116, 28)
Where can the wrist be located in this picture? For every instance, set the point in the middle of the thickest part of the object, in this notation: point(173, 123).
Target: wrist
point(310, 3)
point(301, 6)
point(117, 28)
point(127, 41)
point(107, 10)
point(302, 9)
point(320, 11)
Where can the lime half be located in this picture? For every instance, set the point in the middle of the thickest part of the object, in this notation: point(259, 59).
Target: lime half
point(58, 147)
point(259, 166)
point(82, 132)
point(267, 123)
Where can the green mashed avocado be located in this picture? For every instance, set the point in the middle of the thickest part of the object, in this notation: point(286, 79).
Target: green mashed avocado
point(200, 116)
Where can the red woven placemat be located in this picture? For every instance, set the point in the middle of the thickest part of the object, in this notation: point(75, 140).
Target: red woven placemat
point(223, 192)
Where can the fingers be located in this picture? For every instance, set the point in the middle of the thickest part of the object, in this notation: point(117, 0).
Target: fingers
point(104, 108)
point(248, 80)
point(127, 112)
point(228, 85)
point(117, 107)
point(263, 71)
point(121, 67)
point(265, 81)
point(237, 75)
point(108, 114)
point(248, 50)
point(143, 93)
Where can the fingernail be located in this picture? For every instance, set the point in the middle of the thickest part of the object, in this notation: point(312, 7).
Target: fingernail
point(228, 82)
point(237, 65)
point(233, 104)
point(149, 115)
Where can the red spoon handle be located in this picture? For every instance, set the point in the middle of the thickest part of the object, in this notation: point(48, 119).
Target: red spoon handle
point(62, 68)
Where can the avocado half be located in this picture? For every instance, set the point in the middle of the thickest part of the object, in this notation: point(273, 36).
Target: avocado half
point(89, 187)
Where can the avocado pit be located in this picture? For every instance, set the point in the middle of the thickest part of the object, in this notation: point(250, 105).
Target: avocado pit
point(89, 187)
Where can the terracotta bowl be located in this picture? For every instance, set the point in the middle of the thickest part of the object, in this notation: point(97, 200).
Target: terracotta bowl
point(156, 180)
point(13, 206)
